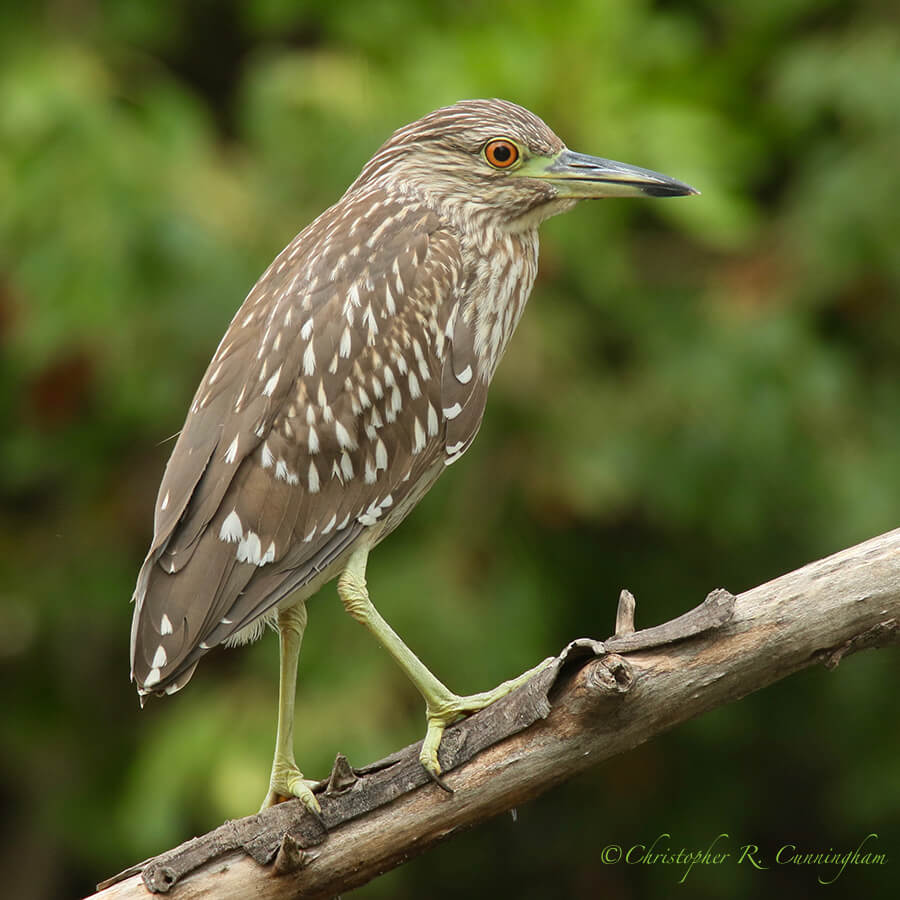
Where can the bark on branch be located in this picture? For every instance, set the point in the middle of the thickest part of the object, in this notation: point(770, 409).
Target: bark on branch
point(596, 700)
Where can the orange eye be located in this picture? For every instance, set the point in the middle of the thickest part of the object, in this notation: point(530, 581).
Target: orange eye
point(500, 153)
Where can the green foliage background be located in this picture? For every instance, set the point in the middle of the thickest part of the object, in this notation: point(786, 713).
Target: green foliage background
point(703, 392)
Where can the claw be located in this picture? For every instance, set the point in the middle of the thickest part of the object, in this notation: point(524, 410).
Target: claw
point(436, 778)
point(317, 815)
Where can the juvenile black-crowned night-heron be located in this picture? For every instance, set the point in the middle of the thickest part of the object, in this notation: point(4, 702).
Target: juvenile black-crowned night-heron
point(353, 374)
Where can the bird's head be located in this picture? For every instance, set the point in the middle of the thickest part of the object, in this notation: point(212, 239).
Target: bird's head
point(493, 160)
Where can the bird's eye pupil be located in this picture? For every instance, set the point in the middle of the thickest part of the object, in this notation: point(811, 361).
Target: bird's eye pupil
point(501, 154)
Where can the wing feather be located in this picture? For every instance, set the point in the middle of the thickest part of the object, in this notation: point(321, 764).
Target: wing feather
point(463, 388)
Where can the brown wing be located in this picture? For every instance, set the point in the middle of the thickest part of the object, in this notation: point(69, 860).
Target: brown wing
point(329, 399)
point(463, 388)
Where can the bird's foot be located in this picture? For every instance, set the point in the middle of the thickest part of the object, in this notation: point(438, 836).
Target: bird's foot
point(443, 709)
point(287, 782)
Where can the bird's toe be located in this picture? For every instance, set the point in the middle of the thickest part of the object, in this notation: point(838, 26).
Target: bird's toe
point(288, 784)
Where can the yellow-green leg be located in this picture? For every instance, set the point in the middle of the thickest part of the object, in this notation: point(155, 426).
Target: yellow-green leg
point(287, 780)
point(442, 706)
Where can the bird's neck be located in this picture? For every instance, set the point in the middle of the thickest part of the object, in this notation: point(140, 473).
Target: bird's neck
point(500, 271)
point(500, 264)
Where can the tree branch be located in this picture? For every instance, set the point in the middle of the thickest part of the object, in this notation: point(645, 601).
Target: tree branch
point(589, 704)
